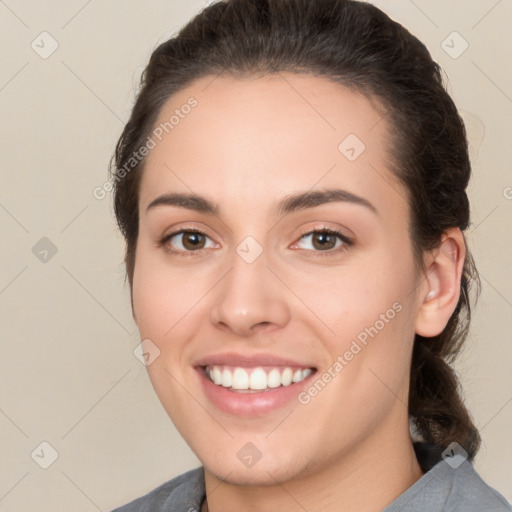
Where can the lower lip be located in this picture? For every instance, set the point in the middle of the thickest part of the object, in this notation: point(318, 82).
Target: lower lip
point(251, 404)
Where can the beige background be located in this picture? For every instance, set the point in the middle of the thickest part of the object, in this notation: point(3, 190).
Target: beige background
point(68, 375)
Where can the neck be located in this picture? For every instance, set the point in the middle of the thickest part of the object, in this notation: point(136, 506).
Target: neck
point(367, 479)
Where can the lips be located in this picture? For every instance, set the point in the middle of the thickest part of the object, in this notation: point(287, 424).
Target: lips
point(251, 361)
point(252, 385)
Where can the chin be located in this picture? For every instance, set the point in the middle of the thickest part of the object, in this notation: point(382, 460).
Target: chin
point(262, 477)
point(267, 471)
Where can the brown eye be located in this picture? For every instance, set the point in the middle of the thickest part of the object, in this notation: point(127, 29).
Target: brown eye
point(185, 241)
point(193, 240)
point(324, 240)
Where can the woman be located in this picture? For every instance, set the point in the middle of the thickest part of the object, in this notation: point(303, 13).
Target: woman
point(291, 188)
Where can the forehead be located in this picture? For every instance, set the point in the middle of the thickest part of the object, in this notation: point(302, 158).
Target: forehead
point(252, 140)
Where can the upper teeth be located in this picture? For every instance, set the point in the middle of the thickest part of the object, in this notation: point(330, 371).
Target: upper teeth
point(258, 378)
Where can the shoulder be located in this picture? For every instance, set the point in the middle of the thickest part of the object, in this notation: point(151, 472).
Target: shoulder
point(448, 485)
point(182, 493)
point(470, 492)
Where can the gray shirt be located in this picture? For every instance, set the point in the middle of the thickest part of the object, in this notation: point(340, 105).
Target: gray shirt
point(442, 488)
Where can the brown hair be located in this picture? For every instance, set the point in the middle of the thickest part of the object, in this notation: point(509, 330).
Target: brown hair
point(357, 45)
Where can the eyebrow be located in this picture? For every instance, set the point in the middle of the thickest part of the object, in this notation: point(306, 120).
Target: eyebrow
point(291, 203)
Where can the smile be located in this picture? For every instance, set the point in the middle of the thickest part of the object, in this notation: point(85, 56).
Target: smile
point(249, 380)
point(252, 385)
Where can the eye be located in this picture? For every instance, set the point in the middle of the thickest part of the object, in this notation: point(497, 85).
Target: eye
point(325, 240)
point(187, 241)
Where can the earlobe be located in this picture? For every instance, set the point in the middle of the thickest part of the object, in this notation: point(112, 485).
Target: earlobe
point(440, 292)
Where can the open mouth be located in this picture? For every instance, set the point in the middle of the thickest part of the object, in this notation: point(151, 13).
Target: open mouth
point(257, 379)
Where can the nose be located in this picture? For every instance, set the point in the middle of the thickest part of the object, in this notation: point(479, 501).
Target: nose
point(250, 299)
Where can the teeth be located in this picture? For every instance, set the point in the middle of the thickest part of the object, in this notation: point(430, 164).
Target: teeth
point(306, 373)
point(297, 376)
point(240, 379)
point(286, 377)
point(258, 379)
point(227, 378)
point(217, 376)
point(274, 378)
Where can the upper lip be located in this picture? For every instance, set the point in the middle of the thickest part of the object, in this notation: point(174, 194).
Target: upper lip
point(249, 361)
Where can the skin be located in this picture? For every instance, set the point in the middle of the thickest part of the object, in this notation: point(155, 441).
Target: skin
point(249, 143)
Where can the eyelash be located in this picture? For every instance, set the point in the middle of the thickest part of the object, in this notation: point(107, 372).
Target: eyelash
point(347, 242)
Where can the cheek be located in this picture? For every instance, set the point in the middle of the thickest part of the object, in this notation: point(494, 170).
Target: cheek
point(371, 312)
point(149, 300)
point(169, 298)
point(352, 298)
point(155, 298)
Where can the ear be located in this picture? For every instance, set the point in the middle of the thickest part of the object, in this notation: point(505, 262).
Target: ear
point(440, 290)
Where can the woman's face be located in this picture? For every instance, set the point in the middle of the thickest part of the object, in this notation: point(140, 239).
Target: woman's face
point(263, 287)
